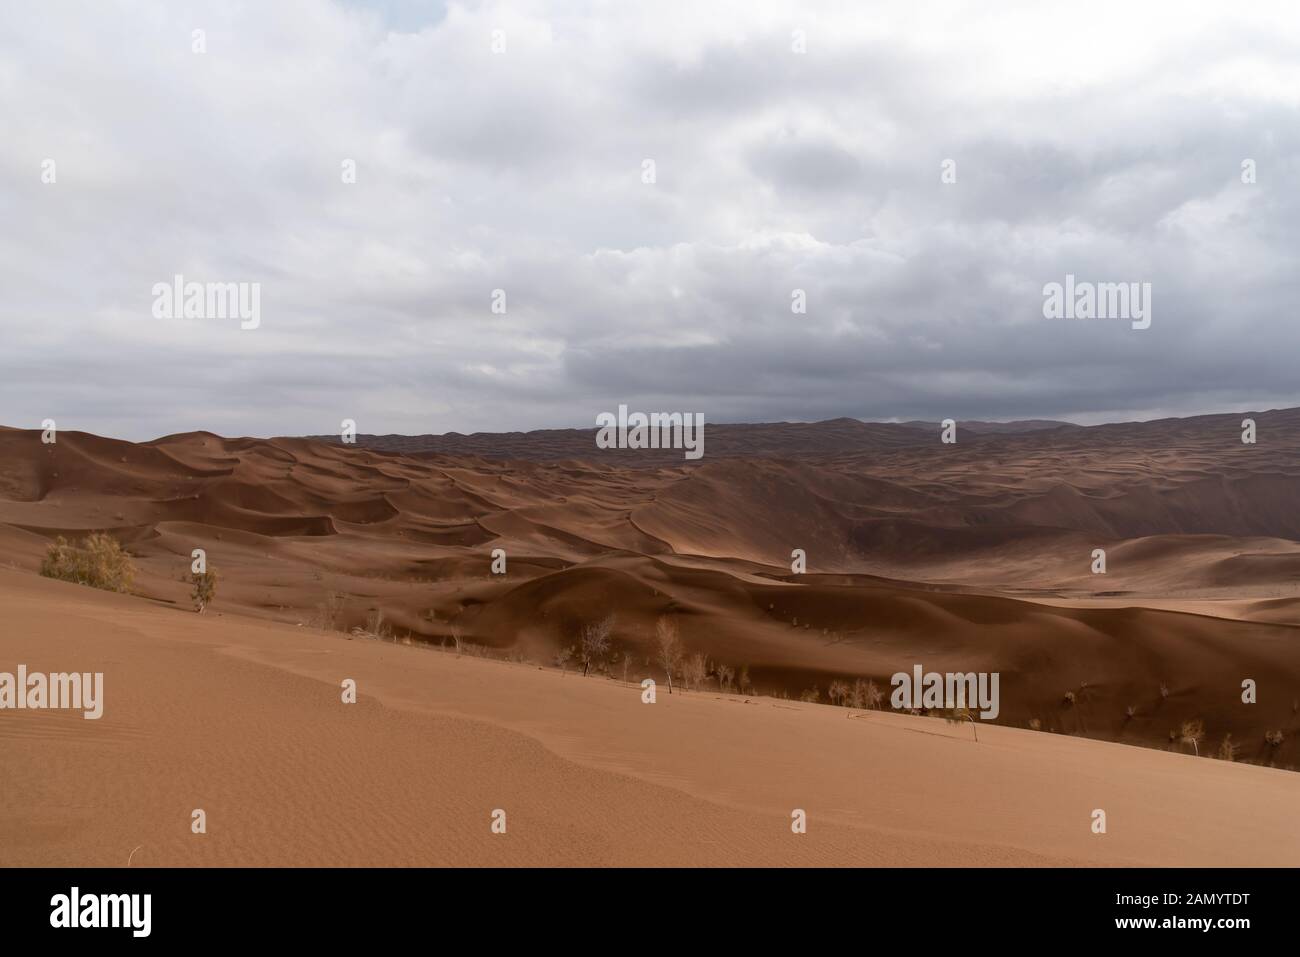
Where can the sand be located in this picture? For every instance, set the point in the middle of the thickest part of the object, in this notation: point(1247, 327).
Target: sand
point(245, 720)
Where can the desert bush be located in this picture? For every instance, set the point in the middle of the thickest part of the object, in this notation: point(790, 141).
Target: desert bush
point(812, 695)
point(1130, 712)
point(668, 648)
point(205, 589)
point(1164, 690)
point(1069, 697)
point(726, 675)
point(743, 684)
point(1192, 732)
point(98, 562)
point(593, 645)
point(837, 692)
point(1228, 748)
point(1274, 738)
point(1035, 724)
point(562, 657)
point(376, 626)
point(329, 613)
point(694, 670)
point(961, 716)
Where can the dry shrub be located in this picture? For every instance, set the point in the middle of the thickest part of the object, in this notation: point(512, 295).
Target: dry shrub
point(329, 613)
point(1192, 732)
point(205, 589)
point(98, 562)
point(694, 670)
point(1228, 749)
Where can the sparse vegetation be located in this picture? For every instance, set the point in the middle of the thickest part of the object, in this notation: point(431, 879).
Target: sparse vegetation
point(812, 695)
point(743, 682)
point(1192, 732)
point(726, 675)
point(99, 562)
point(668, 648)
point(329, 613)
point(205, 588)
point(838, 692)
point(1228, 748)
point(1035, 724)
point(562, 657)
point(376, 626)
point(593, 645)
point(694, 670)
point(1069, 698)
point(961, 716)
point(1274, 738)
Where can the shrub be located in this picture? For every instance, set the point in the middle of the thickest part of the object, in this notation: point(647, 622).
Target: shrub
point(1228, 749)
point(205, 589)
point(725, 675)
point(811, 695)
point(668, 648)
point(1192, 732)
point(743, 684)
point(1274, 738)
point(98, 562)
point(695, 670)
point(593, 645)
point(838, 692)
point(329, 613)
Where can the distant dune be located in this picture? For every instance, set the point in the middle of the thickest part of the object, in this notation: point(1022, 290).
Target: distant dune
point(973, 556)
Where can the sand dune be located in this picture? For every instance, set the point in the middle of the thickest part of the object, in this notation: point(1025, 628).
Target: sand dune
point(244, 720)
point(974, 556)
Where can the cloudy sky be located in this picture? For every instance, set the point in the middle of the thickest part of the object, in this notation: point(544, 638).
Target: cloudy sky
point(794, 147)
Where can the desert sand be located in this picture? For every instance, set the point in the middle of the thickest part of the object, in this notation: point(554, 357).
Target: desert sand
point(373, 561)
point(245, 720)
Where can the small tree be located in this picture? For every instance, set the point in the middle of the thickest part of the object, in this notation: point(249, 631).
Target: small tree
point(695, 670)
point(725, 675)
point(875, 697)
point(668, 648)
point(838, 692)
point(205, 588)
point(562, 658)
point(594, 643)
point(1192, 732)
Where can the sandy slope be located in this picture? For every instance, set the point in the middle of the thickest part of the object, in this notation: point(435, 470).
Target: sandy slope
point(966, 557)
point(244, 719)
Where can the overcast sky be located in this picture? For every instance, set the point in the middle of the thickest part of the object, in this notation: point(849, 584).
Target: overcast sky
point(1102, 140)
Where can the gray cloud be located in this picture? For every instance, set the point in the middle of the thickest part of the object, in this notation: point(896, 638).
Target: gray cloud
point(1110, 149)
